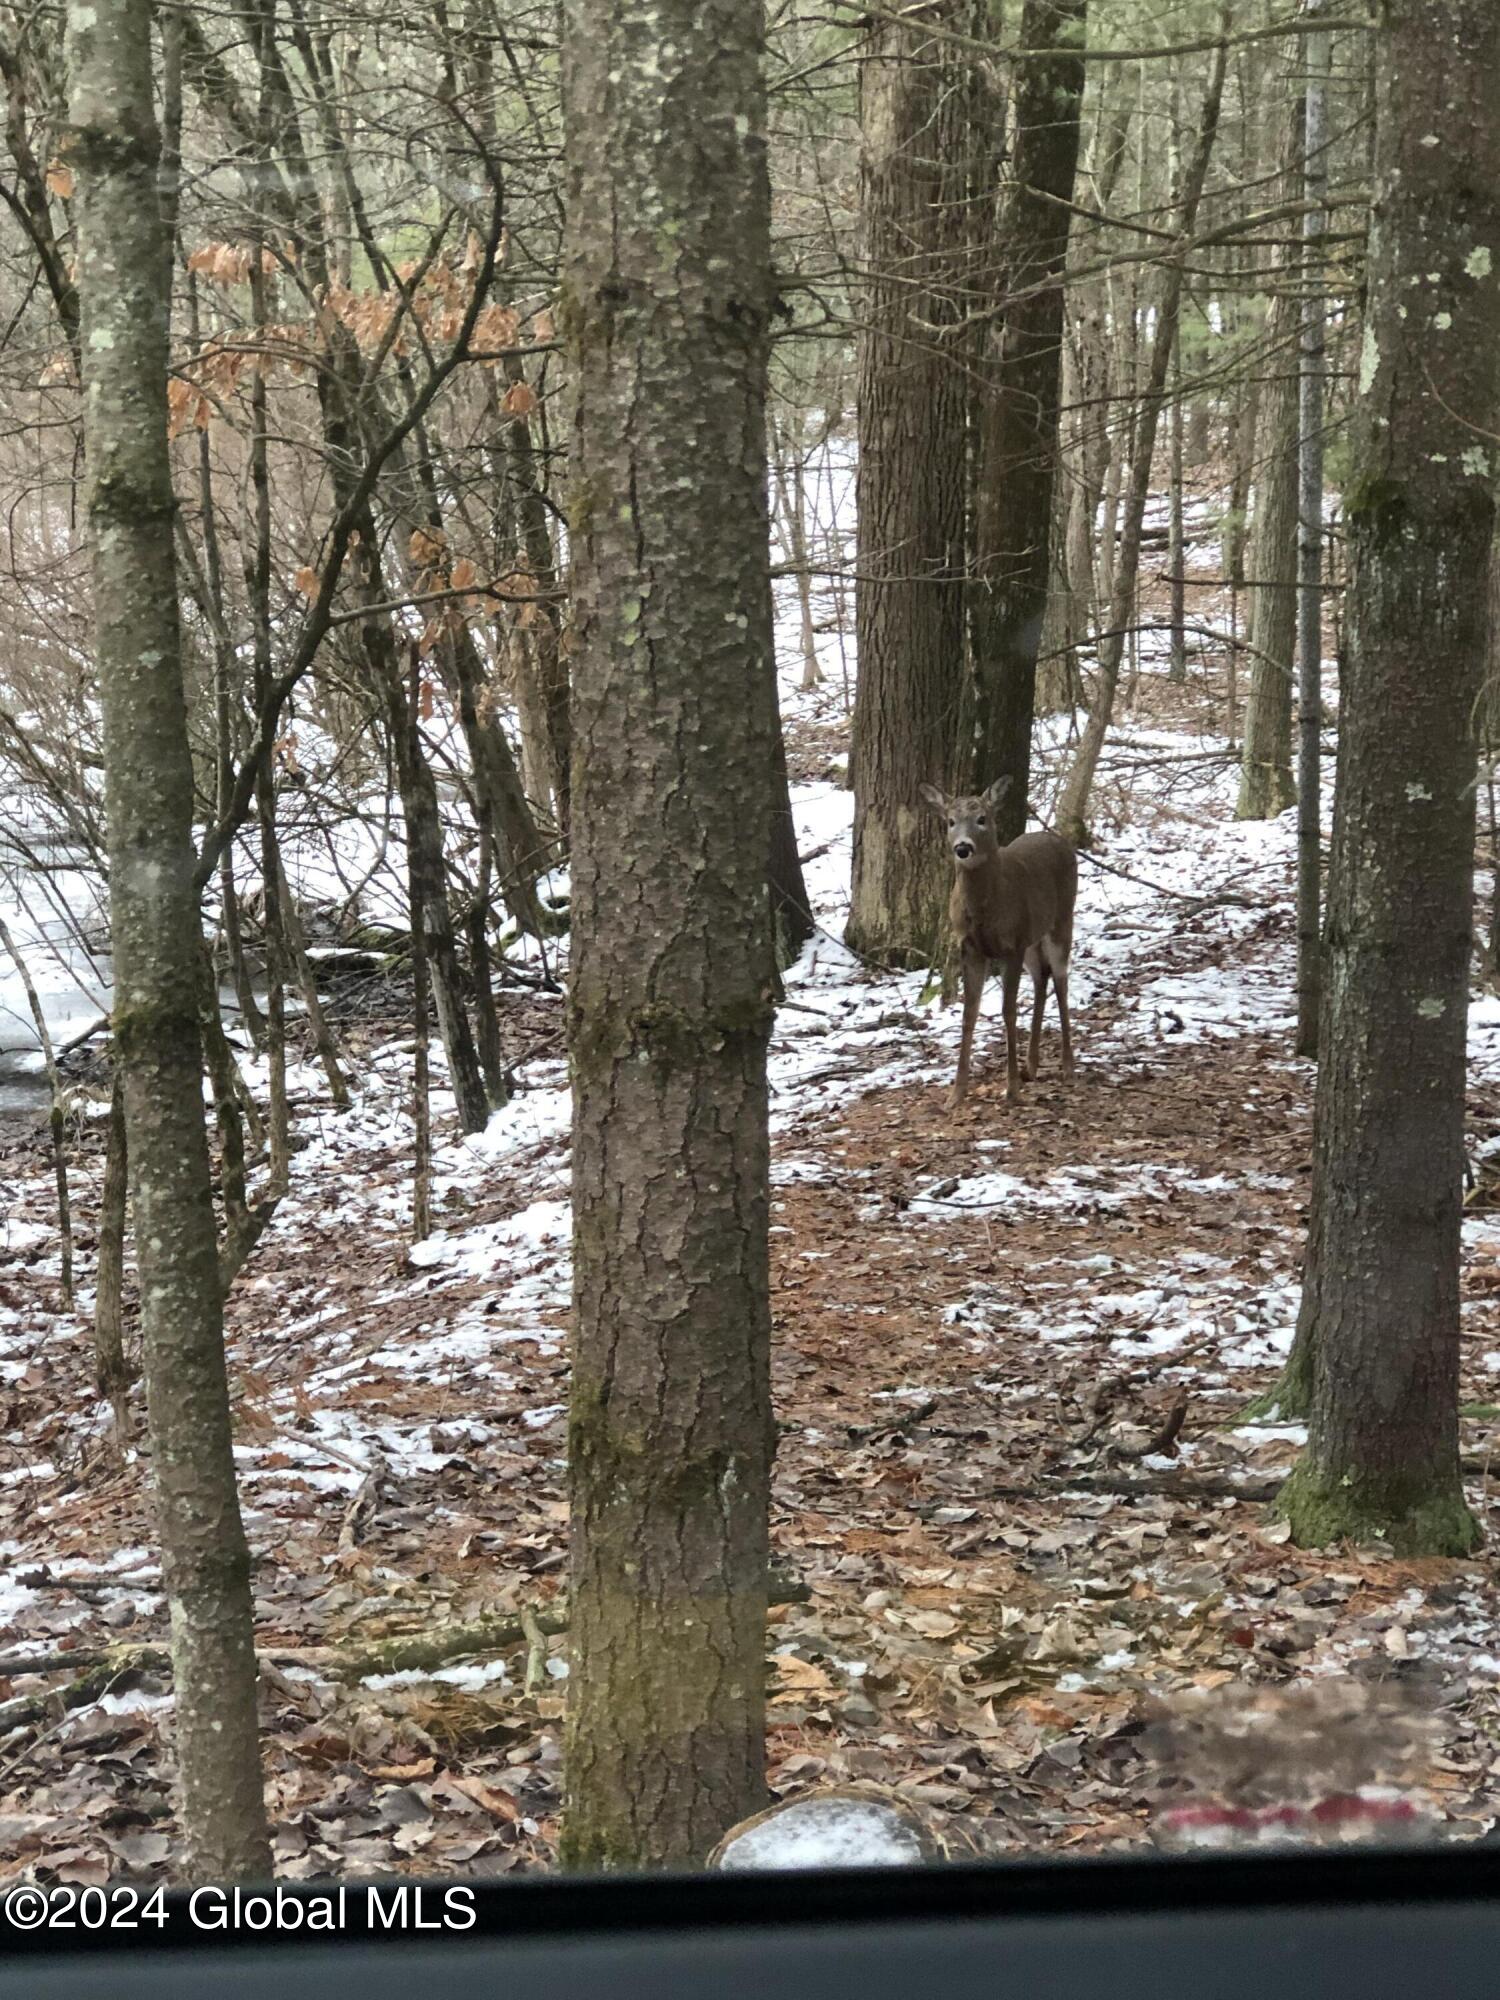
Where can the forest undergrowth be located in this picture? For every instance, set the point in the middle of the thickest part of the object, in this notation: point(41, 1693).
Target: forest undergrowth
point(1021, 1523)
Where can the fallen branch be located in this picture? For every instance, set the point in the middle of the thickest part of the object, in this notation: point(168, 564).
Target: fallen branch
point(361, 1509)
point(1164, 1443)
point(536, 1651)
point(406, 1652)
point(1170, 1485)
point(1183, 1485)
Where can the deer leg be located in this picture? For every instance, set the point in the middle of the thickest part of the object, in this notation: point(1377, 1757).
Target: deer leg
point(1038, 1002)
point(975, 967)
point(1060, 987)
point(1010, 988)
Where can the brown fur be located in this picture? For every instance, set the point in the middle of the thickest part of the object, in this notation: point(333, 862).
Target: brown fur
point(1012, 907)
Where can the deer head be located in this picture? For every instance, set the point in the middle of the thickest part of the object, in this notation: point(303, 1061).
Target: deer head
point(971, 821)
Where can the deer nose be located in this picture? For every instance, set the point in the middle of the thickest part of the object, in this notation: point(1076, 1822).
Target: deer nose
point(963, 849)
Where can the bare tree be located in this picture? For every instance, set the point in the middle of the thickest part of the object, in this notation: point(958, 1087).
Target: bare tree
point(913, 421)
point(124, 290)
point(668, 298)
point(1382, 1456)
point(1019, 408)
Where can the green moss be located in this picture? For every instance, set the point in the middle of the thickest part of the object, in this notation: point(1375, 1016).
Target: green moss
point(147, 1030)
point(1376, 499)
point(621, 1456)
point(1289, 1400)
point(1415, 1521)
point(586, 1849)
point(661, 1033)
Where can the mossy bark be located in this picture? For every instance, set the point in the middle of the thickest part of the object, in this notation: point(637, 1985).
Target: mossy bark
point(156, 938)
point(666, 308)
point(1416, 1519)
point(1381, 1312)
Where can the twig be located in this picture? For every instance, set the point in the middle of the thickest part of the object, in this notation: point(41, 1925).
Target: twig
point(1171, 1485)
point(360, 1511)
point(1164, 1443)
point(536, 1651)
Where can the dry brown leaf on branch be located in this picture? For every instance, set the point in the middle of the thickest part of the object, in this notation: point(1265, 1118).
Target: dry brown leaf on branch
point(307, 581)
point(186, 406)
point(496, 326)
point(60, 180)
point(520, 400)
point(426, 548)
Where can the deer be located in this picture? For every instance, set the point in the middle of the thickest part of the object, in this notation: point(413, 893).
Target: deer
point(1012, 907)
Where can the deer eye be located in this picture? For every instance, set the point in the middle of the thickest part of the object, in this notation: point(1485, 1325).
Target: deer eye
point(980, 820)
point(950, 819)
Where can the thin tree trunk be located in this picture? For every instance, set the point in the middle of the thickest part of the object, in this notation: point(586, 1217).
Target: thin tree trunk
point(670, 1433)
point(56, 1117)
point(1310, 558)
point(419, 893)
point(1382, 1456)
point(111, 1371)
point(486, 1018)
point(295, 937)
point(225, 708)
point(791, 516)
point(548, 657)
point(1073, 807)
point(258, 594)
point(1176, 539)
point(424, 836)
point(1018, 446)
point(1266, 786)
point(124, 286)
point(791, 913)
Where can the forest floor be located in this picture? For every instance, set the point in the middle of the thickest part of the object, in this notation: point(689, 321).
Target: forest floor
point(1014, 1347)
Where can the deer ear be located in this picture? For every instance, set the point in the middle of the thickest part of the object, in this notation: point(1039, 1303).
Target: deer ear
point(935, 798)
point(996, 792)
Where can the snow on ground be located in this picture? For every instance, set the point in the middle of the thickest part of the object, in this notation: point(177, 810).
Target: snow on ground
point(994, 1329)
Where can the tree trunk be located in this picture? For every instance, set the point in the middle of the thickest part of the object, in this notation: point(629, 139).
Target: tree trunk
point(111, 1370)
point(547, 656)
point(667, 300)
point(57, 1123)
point(1018, 442)
point(125, 290)
point(791, 913)
point(1310, 552)
point(910, 489)
point(418, 896)
point(1073, 805)
point(426, 867)
point(1382, 1456)
point(1176, 534)
point(1266, 786)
